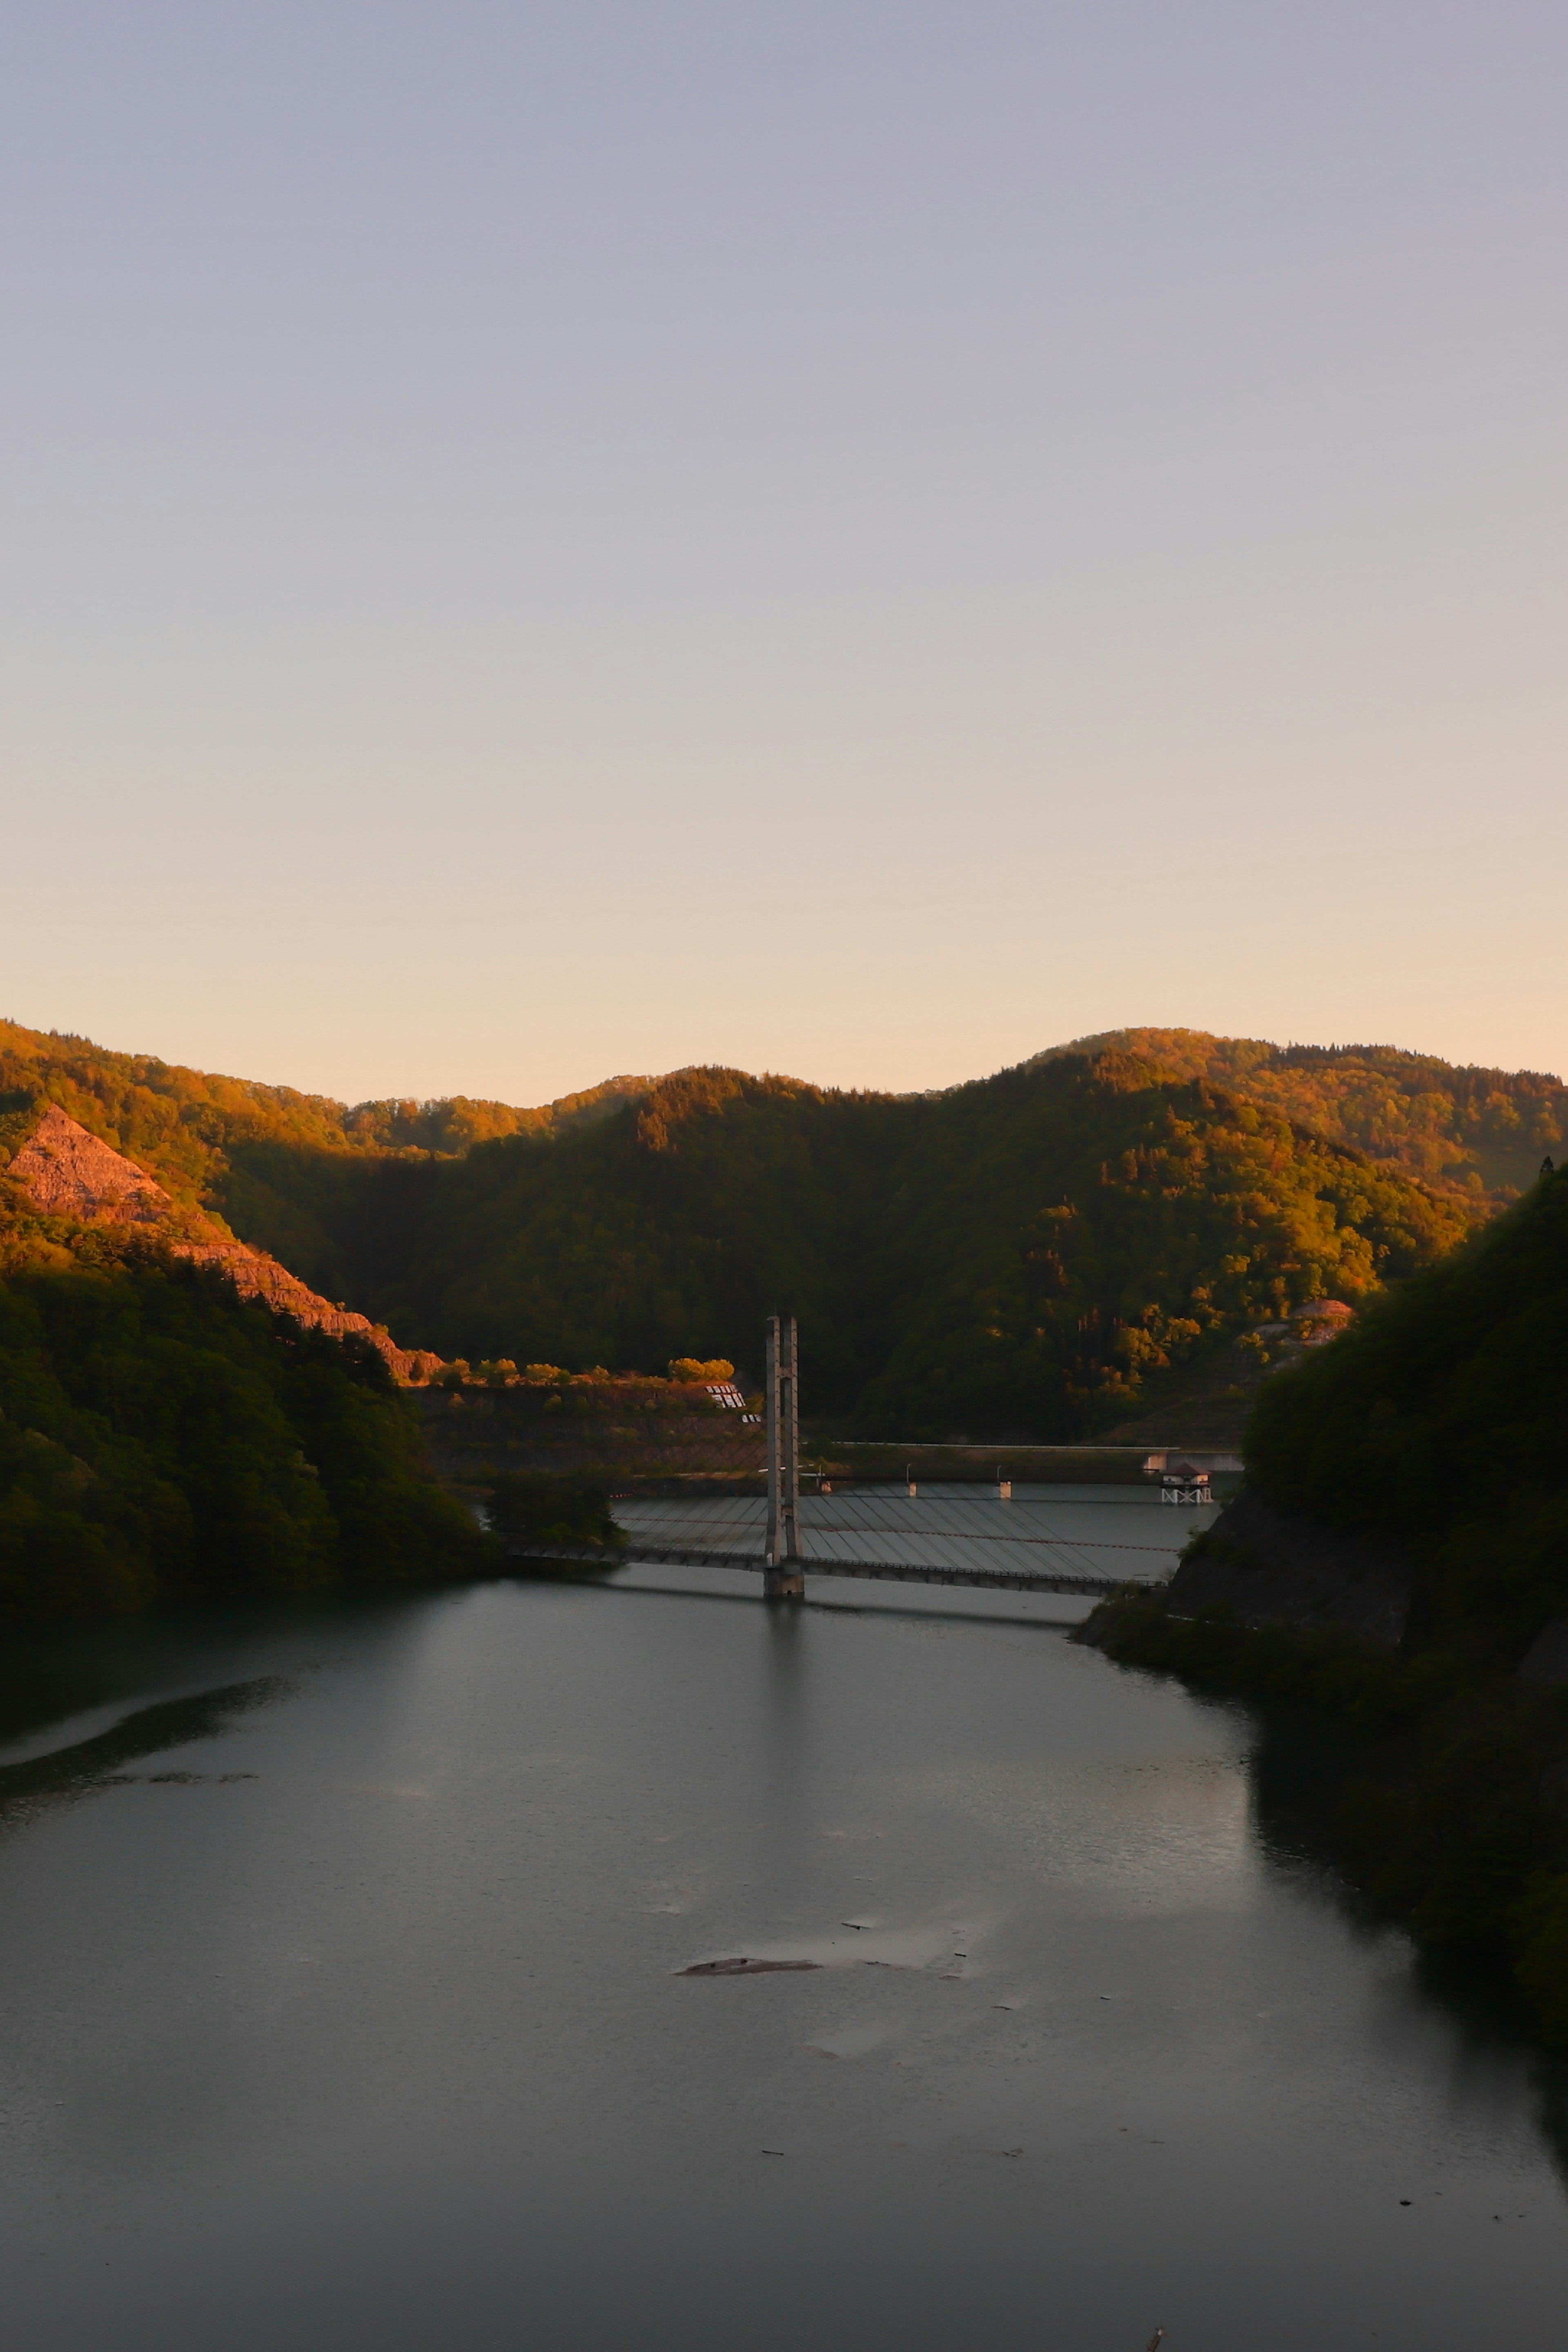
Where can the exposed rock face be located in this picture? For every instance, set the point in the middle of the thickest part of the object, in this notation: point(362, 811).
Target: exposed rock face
point(1270, 1569)
point(68, 1172)
point(257, 1276)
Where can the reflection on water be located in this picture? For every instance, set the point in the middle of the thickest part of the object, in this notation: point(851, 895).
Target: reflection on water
point(346, 2010)
point(96, 1762)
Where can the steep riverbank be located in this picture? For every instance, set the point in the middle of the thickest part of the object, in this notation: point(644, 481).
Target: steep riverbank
point(1453, 1819)
point(1400, 1559)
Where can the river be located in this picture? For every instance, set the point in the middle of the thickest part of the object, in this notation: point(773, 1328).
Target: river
point(342, 1955)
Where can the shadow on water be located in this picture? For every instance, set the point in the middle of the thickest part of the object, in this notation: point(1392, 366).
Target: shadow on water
point(62, 1685)
point(785, 1699)
point(1303, 1770)
point(99, 1762)
point(839, 1605)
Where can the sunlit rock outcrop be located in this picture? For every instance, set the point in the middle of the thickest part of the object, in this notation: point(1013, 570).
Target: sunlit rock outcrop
point(67, 1172)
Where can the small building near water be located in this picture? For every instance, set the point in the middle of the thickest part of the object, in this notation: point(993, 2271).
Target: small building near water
point(1184, 1482)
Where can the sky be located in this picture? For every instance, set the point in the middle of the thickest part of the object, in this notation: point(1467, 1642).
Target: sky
point(547, 541)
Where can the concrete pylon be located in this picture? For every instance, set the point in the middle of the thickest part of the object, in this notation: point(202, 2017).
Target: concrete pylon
point(781, 1578)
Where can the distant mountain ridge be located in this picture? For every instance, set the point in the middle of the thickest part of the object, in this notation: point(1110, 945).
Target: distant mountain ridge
point(1039, 1254)
point(1460, 1128)
point(1031, 1256)
point(180, 1122)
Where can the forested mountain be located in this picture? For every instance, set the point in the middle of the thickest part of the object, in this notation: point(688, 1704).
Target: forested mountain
point(165, 1431)
point(1021, 1257)
point(193, 1131)
point(1439, 1426)
point(162, 1438)
point(1033, 1254)
point(1473, 1130)
point(205, 1136)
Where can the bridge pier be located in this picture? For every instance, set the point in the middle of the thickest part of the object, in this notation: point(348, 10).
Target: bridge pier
point(782, 1578)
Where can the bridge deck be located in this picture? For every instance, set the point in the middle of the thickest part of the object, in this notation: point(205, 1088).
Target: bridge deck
point(635, 1553)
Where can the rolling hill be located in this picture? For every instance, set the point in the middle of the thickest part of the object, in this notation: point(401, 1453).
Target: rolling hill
point(1042, 1253)
point(1480, 1132)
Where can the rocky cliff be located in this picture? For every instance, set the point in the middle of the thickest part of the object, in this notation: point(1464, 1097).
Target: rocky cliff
point(67, 1172)
point(1269, 1569)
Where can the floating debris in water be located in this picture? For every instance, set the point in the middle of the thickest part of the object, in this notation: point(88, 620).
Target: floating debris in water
point(171, 1780)
point(745, 1968)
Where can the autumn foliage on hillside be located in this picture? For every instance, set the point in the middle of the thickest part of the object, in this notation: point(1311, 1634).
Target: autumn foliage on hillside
point(1032, 1255)
point(192, 1129)
point(1023, 1256)
point(1479, 1131)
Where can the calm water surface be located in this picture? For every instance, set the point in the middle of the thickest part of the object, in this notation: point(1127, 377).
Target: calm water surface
point(339, 1958)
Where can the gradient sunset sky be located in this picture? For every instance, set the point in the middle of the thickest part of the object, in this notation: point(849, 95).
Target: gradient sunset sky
point(861, 540)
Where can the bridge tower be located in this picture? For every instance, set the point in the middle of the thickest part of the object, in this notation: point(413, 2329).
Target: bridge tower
point(782, 1577)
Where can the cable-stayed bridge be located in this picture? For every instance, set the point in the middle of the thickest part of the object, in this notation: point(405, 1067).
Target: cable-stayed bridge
point(1040, 1542)
point(1000, 1544)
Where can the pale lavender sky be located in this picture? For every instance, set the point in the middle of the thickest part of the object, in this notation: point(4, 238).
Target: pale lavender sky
point(858, 540)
